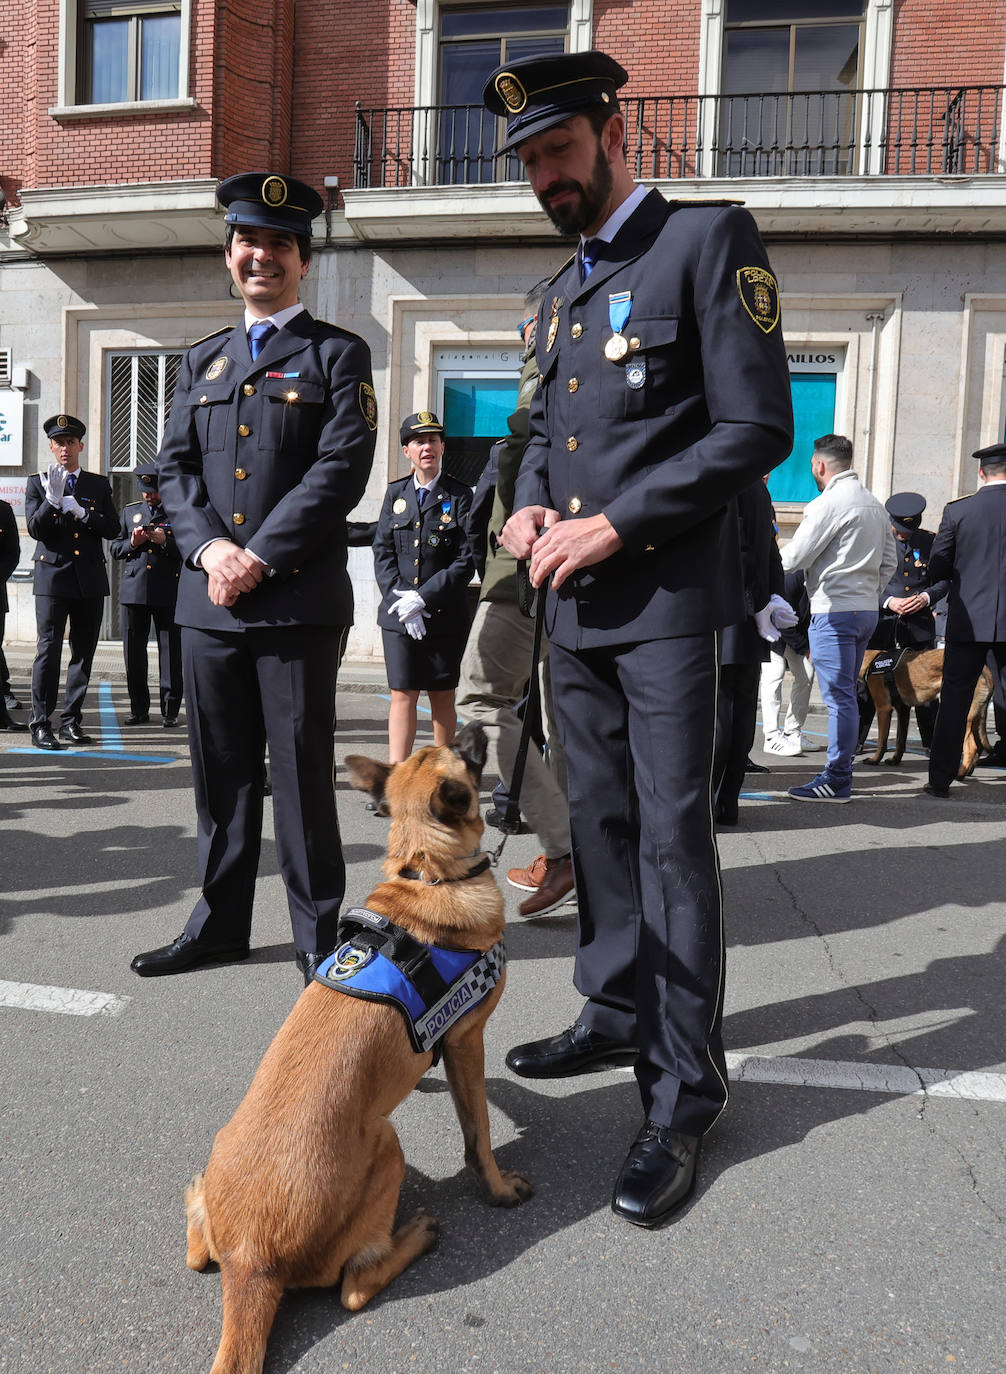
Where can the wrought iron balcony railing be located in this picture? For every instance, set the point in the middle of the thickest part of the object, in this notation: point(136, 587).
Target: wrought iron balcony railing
point(921, 130)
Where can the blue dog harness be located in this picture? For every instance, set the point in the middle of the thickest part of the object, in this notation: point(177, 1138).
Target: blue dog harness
point(886, 665)
point(431, 986)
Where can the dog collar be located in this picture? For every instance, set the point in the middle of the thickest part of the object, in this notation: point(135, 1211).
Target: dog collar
point(418, 875)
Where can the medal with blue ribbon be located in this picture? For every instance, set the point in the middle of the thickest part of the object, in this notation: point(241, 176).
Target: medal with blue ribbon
point(619, 308)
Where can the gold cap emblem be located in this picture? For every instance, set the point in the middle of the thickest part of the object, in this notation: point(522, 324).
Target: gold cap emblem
point(274, 191)
point(61, 422)
point(511, 92)
point(425, 418)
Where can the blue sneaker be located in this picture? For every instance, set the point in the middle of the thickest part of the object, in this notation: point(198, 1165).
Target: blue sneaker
point(822, 789)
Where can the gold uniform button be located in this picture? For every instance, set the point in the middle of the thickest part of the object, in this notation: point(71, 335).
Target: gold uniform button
point(572, 444)
point(634, 343)
point(573, 384)
point(576, 330)
point(415, 581)
point(76, 553)
point(244, 431)
point(238, 518)
point(240, 474)
point(415, 543)
point(248, 389)
point(203, 400)
point(648, 548)
point(574, 505)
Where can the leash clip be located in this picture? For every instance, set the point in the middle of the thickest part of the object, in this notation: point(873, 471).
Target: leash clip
point(494, 854)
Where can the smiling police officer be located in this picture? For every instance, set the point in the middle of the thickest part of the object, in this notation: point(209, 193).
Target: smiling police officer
point(664, 392)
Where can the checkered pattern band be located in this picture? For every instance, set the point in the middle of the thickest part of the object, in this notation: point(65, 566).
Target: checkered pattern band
point(462, 996)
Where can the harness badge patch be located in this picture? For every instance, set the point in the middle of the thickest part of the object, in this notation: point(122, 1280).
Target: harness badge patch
point(759, 295)
point(348, 961)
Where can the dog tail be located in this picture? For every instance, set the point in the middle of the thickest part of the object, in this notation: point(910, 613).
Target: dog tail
point(250, 1300)
point(197, 1235)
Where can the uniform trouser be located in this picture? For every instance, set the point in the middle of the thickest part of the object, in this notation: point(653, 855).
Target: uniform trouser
point(638, 722)
point(963, 661)
point(51, 615)
point(837, 642)
point(736, 719)
point(135, 632)
point(772, 674)
point(494, 670)
point(275, 686)
point(4, 670)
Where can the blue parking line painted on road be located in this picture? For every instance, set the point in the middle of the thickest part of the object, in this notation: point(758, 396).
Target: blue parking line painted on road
point(105, 755)
point(420, 710)
point(111, 735)
point(762, 796)
point(111, 738)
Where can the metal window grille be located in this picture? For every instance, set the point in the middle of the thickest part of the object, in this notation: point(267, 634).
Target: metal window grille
point(140, 390)
point(5, 367)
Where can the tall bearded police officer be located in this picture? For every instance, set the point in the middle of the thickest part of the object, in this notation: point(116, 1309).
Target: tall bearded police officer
point(267, 450)
point(664, 392)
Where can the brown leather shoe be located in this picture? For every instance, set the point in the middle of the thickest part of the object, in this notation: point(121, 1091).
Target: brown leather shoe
point(556, 886)
point(528, 879)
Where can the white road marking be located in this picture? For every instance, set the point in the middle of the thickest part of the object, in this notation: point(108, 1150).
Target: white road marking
point(873, 1078)
point(69, 1001)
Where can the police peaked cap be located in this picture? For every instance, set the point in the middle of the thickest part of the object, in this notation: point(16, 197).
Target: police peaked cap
point(537, 92)
point(265, 200)
point(995, 453)
point(905, 509)
point(423, 422)
point(146, 475)
point(58, 425)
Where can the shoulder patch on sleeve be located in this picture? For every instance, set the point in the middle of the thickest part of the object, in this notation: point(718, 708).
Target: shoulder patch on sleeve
point(215, 334)
point(368, 405)
point(759, 295)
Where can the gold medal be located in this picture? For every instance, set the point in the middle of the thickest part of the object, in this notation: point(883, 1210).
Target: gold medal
point(553, 329)
point(616, 348)
point(137, 519)
point(399, 506)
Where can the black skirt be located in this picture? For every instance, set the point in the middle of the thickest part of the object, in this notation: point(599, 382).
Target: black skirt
point(422, 665)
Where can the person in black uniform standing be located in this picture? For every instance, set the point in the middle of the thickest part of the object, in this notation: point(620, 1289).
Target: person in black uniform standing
point(423, 564)
point(267, 449)
point(664, 393)
point(148, 592)
point(69, 511)
point(906, 615)
point(969, 551)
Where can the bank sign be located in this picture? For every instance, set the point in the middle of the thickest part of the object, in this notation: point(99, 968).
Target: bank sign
point(11, 428)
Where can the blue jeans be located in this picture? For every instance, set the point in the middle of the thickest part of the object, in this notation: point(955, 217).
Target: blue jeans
point(837, 642)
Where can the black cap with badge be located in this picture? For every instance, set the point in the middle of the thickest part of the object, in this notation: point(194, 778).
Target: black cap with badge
point(146, 475)
point(59, 425)
point(423, 422)
point(905, 509)
point(537, 92)
point(268, 201)
point(995, 453)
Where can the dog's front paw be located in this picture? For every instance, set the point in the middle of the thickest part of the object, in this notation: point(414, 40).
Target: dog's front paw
point(514, 1190)
point(422, 1232)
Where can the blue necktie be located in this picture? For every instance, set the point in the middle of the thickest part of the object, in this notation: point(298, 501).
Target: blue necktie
point(258, 334)
point(422, 496)
point(590, 251)
point(71, 482)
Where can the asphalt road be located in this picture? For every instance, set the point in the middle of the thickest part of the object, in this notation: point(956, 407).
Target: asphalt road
point(845, 1219)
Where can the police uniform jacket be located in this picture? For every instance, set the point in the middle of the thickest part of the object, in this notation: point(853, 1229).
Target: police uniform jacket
point(69, 559)
point(911, 577)
point(968, 551)
point(426, 551)
point(661, 440)
point(273, 454)
point(150, 577)
point(10, 550)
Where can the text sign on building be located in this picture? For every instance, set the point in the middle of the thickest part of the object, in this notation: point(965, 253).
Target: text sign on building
point(11, 428)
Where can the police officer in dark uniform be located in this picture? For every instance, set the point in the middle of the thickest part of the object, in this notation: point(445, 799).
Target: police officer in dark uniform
point(69, 511)
point(906, 616)
point(423, 564)
point(267, 449)
point(664, 393)
point(147, 592)
point(970, 553)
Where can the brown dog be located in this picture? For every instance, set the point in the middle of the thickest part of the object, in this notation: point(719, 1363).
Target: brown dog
point(303, 1182)
point(917, 680)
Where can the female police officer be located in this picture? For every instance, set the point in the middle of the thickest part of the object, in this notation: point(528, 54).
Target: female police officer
point(423, 564)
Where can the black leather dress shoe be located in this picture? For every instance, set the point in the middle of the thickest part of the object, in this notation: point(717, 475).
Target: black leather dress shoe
point(573, 1051)
point(169, 722)
point(657, 1177)
point(43, 738)
point(752, 767)
point(11, 702)
point(995, 758)
point(931, 790)
point(73, 734)
point(308, 964)
point(185, 952)
point(7, 724)
point(136, 718)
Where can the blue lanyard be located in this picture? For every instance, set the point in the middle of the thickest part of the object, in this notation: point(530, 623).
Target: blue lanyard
point(619, 309)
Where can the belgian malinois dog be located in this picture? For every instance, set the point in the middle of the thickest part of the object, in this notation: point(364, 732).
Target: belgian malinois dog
point(303, 1182)
point(917, 680)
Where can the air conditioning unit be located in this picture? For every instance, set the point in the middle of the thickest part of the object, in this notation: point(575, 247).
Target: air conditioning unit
point(5, 367)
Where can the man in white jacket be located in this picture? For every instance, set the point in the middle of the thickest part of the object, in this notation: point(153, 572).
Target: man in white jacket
point(845, 546)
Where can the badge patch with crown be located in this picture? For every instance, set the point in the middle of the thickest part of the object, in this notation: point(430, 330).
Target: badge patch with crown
point(759, 295)
point(511, 92)
point(368, 404)
point(274, 191)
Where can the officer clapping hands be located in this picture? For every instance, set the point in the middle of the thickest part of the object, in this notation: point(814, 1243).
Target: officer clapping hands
point(54, 484)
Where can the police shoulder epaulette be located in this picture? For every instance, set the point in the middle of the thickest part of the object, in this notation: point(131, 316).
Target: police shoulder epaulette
point(341, 329)
point(559, 270)
point(227, 329)
point(954, 499)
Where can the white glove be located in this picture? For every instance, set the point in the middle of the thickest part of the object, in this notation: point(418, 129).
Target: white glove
point(407, 605)
point(415, 625)
point(763, 619)
point(54, 484)
point(783, 615)
point(72, 506)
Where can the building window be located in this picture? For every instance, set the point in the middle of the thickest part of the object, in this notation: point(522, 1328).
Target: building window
point(131, 50)
point(476, 391)
point(791, 78)
point(472, 42)
point(814, 376)
point(140, 390)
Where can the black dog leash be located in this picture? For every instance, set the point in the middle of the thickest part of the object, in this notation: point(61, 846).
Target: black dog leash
point(532, 603)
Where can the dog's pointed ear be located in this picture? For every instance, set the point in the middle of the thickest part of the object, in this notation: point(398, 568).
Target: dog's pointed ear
point(368, 775)
point(472, 746)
